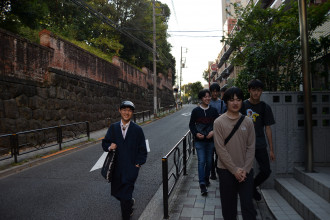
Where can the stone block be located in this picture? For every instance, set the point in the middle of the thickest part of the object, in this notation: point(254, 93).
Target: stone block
point(38, 114)
point(11, 109)
point(29, 90)
point(25, 113)
point(7, 126)
point(22, 101)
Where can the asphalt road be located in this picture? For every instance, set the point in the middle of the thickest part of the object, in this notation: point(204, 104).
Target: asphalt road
point(64, 188)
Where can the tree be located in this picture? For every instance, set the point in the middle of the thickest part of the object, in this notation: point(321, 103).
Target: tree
point(81, 26)
point(195, 88)
point(206, 75)
point(267, 44)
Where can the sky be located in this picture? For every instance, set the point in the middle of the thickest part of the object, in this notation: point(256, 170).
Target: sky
point(204, 18)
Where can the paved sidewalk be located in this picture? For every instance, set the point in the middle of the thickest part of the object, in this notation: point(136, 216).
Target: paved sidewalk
point(189, 204)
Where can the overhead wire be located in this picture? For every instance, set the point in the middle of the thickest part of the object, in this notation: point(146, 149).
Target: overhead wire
point(115, 26)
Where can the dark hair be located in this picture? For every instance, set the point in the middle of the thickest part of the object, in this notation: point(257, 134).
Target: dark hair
point(203, 92)
point(231, 92)
point(214, 86)
point(255, 83)
point(224, 88)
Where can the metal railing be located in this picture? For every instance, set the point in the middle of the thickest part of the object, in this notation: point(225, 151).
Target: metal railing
point(181, 153)
point(13, 145)
point(144, 114)
point(164, 110)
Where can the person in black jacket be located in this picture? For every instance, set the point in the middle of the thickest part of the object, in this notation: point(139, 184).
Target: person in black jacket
point(201, 126)
point(128, 139)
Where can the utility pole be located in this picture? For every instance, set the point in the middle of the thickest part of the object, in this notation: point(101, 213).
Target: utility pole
point(154, 56)
point(181, 66)
point(307, 85)
point(180, 72)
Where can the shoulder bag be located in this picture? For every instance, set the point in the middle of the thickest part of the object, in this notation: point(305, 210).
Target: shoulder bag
point(239, 122)
point(109, 164)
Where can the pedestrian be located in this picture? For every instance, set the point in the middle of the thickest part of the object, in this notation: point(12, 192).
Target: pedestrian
point(127, 138)
point(220, 106)
point(201, 127)
point(236, 158)
point(262, 116)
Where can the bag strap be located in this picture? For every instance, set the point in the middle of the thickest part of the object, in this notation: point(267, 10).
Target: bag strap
point(234, 129)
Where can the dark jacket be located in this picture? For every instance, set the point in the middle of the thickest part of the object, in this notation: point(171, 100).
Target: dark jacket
point(130, 151)
point(201, 121)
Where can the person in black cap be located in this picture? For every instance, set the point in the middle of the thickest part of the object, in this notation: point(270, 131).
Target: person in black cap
point(128, 139)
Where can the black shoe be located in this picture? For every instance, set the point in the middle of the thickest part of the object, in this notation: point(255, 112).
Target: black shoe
point(207, 182)
point(256, 195)
point(213, 176)
point(203, 189)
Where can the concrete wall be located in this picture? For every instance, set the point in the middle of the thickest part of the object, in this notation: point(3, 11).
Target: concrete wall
point(289, 133)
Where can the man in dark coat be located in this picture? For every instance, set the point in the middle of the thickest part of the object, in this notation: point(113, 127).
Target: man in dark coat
point(128, 139)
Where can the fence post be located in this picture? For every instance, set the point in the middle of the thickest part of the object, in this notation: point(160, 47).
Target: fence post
point(165, 186)
point(59, 136)
point(134, 118)
point(14, 146)
point(149, 114)
point(87, 127)
point(184, 154)
point(143, 116)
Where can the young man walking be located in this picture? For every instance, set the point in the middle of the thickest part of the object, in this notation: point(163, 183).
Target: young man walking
point(128, 139)
point(236, 156)
point(220, 106)
point(263, 118)
point(201, 127)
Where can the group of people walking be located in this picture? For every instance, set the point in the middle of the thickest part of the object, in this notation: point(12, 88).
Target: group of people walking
point(228, 128)
point(235, 131)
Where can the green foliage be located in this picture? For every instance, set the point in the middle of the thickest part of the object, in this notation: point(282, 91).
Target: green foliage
point(267, 44)
point(206, 75)
point(195, 88)
point(66, 19)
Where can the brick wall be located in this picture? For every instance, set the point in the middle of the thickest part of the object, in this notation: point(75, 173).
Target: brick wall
point(60, 83)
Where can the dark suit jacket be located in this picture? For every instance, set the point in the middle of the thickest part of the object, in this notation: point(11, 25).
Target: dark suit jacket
point(130, 151)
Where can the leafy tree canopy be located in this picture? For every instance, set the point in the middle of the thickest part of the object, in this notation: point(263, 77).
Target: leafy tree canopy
point(267, 44)
point(66, 19)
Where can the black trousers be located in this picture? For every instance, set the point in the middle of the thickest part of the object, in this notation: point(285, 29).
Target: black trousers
point(262, 159)
point(126, 208)
point(229, 189)
point(214, 162)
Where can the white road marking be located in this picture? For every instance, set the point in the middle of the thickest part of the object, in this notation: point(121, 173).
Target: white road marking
point(147, 143)
point(186, 114)
point(100, 162)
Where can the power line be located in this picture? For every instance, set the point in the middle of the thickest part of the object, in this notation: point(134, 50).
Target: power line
point(111, 23)
point(115, 26)
point(198, 31)
point(194, 36)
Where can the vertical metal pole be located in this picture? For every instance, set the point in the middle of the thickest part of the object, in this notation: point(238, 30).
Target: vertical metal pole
point(142, 116)
point(134, 116)
point(88, 132)
point(59, 137)
point(165, 187)
point(306, 84)
point(14, 146)
point(184, 154)
point(180, 73)
point(154, 56)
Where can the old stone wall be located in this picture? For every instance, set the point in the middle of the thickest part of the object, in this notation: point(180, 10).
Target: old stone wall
point(36, 93)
